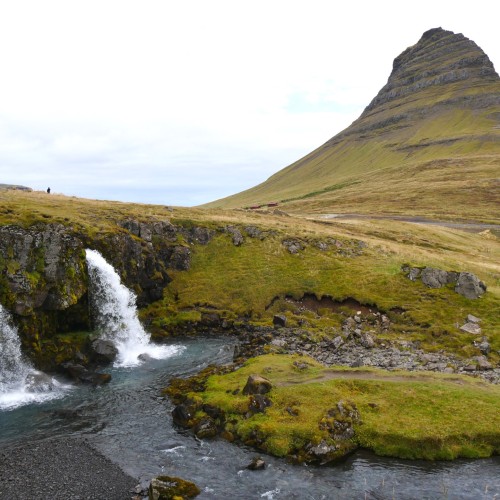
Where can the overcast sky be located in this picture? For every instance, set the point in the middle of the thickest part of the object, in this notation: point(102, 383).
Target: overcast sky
point(183, 102)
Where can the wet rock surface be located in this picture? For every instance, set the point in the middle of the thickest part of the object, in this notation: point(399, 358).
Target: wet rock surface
point(61, 469)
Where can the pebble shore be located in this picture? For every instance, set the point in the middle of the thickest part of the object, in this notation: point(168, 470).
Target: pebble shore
point(61, 469)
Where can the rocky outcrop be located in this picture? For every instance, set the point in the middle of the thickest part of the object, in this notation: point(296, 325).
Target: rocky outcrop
point(44, 268)
point(466, 284)
point(44, 277)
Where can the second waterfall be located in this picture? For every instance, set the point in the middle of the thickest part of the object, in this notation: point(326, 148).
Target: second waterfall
point(115, 315)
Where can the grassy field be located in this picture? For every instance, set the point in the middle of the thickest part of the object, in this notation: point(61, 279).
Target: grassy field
point(406, 415)
point(251, 281)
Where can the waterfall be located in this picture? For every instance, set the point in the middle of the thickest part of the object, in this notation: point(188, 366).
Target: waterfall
point(115, 315)
point(20, 383)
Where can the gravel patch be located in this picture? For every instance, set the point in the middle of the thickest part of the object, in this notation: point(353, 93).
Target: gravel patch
point(61, 468)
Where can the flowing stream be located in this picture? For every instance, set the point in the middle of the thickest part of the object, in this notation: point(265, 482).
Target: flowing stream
point(130, 422)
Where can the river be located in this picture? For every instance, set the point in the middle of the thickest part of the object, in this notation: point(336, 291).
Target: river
point(129, 421)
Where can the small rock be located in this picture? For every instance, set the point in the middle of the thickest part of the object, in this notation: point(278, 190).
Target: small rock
point(470, 368)
point(414, 273)
point(367, 341)
point(484, 346)
point(473, 328)
point(337, 342)
point(473, 319)
point(256, 464)
point(279, 320)
point(483, 363)
point(205, 428)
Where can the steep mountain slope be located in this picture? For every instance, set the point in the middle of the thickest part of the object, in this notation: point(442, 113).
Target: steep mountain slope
point(431, 134)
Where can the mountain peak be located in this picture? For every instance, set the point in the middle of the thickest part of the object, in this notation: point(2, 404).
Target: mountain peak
point(440, 58)
point(427, 144)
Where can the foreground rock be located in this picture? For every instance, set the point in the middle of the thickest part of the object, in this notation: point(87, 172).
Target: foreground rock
point(257, 385)
point(85, 376)
point(168, 488)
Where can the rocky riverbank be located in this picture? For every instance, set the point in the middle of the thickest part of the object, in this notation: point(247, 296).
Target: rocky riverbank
point(357, 345)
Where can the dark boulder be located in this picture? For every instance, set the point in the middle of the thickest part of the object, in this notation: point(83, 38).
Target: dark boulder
point(294, 246)
point(84, 375)
point(180, 259)
point(211, 319)
point(237, 237)
point(258, 404)
point(279, 320)
point(182, 415)
point(205, 428)
point(104, 351)
point(470, 286)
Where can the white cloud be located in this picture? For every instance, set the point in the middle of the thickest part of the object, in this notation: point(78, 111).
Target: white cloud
point(129, 100)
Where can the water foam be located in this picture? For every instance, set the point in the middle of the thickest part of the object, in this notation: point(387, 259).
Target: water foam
point(115, 315)
point(20, 383)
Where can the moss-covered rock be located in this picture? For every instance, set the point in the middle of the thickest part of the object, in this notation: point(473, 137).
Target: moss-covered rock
point(170, 487)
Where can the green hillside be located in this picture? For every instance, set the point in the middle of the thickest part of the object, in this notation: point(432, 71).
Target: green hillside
point(432, 132)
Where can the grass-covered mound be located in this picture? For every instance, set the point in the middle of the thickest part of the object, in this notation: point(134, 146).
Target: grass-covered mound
point(399, 414)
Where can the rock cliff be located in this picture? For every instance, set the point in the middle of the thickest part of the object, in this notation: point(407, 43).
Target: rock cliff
point(44, 278)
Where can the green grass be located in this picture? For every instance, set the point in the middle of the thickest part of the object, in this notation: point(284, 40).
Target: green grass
point(244, 282)
point(406, 415)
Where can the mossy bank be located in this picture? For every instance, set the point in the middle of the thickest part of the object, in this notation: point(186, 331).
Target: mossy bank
point(301, 410)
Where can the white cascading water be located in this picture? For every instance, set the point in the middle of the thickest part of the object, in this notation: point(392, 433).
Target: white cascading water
point(115, 315)
point(20, 383)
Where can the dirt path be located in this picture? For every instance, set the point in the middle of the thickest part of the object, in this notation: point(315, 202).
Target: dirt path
point(369, 375)
point(473, 227)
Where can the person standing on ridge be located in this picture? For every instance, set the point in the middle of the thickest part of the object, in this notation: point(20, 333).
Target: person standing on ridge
point(48, 190)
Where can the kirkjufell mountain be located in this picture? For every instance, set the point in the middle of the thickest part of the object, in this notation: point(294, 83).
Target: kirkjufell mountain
point(427, 144)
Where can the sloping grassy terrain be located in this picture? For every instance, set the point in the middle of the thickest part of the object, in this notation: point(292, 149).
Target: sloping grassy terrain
point(250, 282)
point(406, 415)
point(431, 134)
